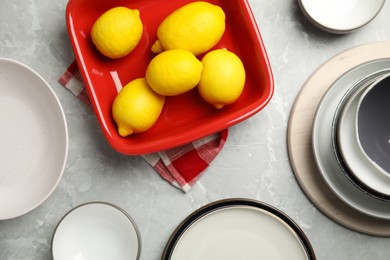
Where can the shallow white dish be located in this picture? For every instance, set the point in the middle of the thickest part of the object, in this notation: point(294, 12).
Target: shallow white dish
point(96, 231)
point(353, 154)
point(373, 124)
point(323, 148)
point(33, 138)
point(234, 229)
point(340, 16)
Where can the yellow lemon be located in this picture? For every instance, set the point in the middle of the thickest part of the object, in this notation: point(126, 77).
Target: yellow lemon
point(173, 72)
point(117, 32)
point(196, 27)
point(136, 107)
point(223, 78)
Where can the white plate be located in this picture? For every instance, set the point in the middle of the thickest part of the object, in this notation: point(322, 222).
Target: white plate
point(323, 148)
point(341, 16)
point(238, 229)
point(96, 231)
point(352, 152)
point(33, 137)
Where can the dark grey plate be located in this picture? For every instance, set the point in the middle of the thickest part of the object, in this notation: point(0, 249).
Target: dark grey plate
point(374, 123)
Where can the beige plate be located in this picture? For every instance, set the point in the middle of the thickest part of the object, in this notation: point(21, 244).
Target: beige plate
point(33, 139)
point(299, 139)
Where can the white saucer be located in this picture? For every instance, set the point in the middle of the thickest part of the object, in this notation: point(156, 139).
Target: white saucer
point(96, 231)
point(323, 149)
point(33, 138)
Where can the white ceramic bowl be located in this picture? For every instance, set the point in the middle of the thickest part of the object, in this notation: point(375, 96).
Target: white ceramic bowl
point(360, 166)
point(342, 16)
point(33, 139)
point(373, 124)
point(96, 231)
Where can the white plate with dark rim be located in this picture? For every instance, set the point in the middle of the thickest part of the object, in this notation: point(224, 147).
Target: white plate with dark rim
point(323, 148)
point(96, 231)
point(33, 137)
point(238, 229)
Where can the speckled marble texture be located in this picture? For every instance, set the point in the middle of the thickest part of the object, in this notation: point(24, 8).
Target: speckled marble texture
point(253, 164)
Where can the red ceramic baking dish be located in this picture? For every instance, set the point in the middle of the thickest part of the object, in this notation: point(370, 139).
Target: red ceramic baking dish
point(186, 117)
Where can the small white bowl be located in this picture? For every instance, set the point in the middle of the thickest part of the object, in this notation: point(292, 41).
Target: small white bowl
point(342, 16)
point(373, 124)
point(96, 231)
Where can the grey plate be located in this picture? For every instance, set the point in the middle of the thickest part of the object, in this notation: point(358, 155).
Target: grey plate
point(373, 119)
point(345, 144)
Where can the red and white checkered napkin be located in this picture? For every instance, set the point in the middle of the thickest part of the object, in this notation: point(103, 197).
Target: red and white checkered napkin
point(181, 166)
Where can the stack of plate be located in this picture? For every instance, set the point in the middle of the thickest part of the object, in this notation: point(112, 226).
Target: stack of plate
point(344, 129)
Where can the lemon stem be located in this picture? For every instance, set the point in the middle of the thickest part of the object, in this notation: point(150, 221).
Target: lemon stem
point(157, 47)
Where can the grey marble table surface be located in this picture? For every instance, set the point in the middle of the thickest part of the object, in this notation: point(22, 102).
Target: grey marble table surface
point(253, 164)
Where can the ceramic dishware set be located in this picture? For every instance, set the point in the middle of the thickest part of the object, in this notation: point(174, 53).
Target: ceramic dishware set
point(373, 124)
point(355, 173)
point(357, 140)
point(350, 135)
